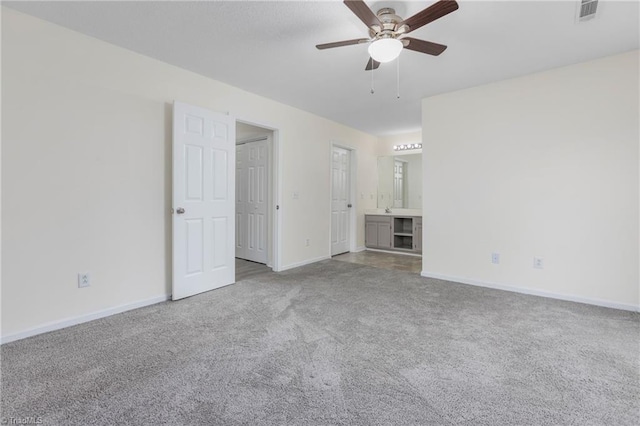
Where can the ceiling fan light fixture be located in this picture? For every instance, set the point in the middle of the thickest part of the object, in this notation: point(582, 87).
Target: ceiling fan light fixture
point(385, 49)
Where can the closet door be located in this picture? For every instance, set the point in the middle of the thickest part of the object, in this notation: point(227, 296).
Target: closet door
point(241, 209)
point(251, 209)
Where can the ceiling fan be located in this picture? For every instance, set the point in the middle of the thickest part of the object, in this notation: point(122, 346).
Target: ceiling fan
point(388, 31)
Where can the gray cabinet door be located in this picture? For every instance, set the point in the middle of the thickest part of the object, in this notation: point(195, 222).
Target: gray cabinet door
point(371, 234)
point(384, 235)
point(377, 231)
point(417, 237)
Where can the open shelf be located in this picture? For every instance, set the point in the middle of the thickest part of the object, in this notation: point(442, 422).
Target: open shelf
point(403, 225)
point(403, 233)
point(403, 242)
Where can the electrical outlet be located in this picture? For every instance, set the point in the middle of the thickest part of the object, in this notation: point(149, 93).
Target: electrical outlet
point(83, 280)
point(538, 263)
point(495, 258)
point(306, 242)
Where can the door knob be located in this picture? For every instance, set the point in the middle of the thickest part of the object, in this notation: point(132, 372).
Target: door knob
point(180, 210)
point(349, 205)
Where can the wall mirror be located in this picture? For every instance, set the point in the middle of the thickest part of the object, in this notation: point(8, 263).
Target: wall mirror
point(400, 181)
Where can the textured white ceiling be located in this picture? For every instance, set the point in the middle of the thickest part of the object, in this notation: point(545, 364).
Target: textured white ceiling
point(268, 48)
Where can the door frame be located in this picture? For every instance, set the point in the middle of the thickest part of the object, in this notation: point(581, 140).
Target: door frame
point(275, 192)
point(353, 173)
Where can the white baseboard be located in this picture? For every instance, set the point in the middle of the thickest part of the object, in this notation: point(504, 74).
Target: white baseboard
point(533, 292)
point(303, 263)
point(359, 249)
point(68, 322)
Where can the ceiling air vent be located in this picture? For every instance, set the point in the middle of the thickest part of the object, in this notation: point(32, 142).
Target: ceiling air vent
point(587, 10)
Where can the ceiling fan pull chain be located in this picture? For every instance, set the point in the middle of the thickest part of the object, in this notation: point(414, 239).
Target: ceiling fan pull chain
point(372, 70)
point(398, 78)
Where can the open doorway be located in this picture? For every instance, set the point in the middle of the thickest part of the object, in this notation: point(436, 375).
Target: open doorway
point(255, 216)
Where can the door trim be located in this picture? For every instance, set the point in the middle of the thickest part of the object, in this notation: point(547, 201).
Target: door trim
point(353, 162)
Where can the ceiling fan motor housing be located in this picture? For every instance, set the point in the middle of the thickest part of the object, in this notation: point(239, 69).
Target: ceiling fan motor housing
point(390, 21)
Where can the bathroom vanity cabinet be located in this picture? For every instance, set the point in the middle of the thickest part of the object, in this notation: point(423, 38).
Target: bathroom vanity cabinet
point(391, 232)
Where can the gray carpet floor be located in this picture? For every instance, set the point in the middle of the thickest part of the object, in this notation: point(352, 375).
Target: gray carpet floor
point(334, 343)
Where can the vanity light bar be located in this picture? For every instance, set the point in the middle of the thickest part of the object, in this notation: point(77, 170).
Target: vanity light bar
point(406, 146)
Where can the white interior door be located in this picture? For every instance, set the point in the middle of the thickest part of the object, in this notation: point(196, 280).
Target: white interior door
point(241, 202)
point(204, 153)
point(340, 200)
point(251, 204)
point(398, 184)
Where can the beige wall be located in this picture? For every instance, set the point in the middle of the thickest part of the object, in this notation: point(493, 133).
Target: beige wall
point(86, 171)
point(543, 165)
point(414, 181)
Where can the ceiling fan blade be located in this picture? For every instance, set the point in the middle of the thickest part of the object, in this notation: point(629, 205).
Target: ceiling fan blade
point(424, 46)
point(430, 14)
point(362, 11)
point(342, 43)
point(372, 64)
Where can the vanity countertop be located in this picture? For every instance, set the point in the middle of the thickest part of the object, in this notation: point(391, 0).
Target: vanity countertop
point(395, 212)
